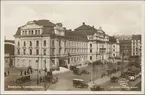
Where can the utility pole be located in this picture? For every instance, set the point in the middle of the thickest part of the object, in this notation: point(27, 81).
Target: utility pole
point(45, 72)
point(122, 61)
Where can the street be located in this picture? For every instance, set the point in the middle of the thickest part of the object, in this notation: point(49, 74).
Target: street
point(65, 80)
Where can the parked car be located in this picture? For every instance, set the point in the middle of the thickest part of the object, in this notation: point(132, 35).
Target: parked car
point(76, 71)
point(96, 88)
point(23, 79)
point(114, 79)
point(79, 83)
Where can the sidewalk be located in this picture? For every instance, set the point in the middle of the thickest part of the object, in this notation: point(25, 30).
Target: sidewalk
point(105, 79)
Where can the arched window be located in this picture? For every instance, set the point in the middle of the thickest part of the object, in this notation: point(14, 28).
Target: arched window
point(37, 43)
point(24, 43)
point(24, 51)
point(30, 51)
point(18, 43)
point(90, 45)
point(30, 43)
point(37, 52)
point(44, 42)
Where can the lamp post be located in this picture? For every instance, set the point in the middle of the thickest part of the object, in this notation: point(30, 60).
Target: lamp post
point(37, 71)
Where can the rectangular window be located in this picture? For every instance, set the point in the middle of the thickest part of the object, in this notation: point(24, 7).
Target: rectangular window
point(90, 50)
point(90, 57)
point(44, 42)
point(18, 51)
point(53, 51)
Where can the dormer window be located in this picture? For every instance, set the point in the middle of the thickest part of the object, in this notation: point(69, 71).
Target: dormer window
point(36, 32)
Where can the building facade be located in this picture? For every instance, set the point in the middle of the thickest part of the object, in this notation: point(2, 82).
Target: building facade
point(43, 44)
point(9, 53)
point(136, 45)
point(114, 47)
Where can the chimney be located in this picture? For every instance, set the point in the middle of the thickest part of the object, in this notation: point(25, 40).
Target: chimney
point(83, 23)
point(93, 26)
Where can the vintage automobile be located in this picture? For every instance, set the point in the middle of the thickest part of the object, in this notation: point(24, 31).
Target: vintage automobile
point(84, 72)
point(95, 87)
point(76, 71)
point(72, 67)
point(79, 83)
point(23, 79)
point(114, 79)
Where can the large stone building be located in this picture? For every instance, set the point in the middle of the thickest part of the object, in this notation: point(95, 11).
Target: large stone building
point(114, 47)
point(136, 45)
point(41, 43)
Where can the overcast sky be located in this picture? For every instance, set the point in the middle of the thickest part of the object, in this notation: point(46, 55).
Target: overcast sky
point(114, 18)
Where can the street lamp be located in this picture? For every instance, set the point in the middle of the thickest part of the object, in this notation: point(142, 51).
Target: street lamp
point(37, 71)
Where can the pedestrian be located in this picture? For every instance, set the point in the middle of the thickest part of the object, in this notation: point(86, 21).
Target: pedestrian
point(5, 74)
point(21, 72)
point(25, 73)
point(40, 79)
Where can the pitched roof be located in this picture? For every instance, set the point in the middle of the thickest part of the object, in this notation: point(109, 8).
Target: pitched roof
point(86, 29)
point(48, 26)
point(11, 41)
point(136, 37)
point(71, 35)
point(45, 23)
point(112, 39)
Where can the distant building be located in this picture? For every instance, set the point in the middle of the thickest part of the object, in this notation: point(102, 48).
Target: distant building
point(125, 48)
point(136, 45)
point(123, 37)
point(9, 53)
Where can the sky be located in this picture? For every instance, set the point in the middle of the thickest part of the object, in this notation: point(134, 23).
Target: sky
point(115, 18)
